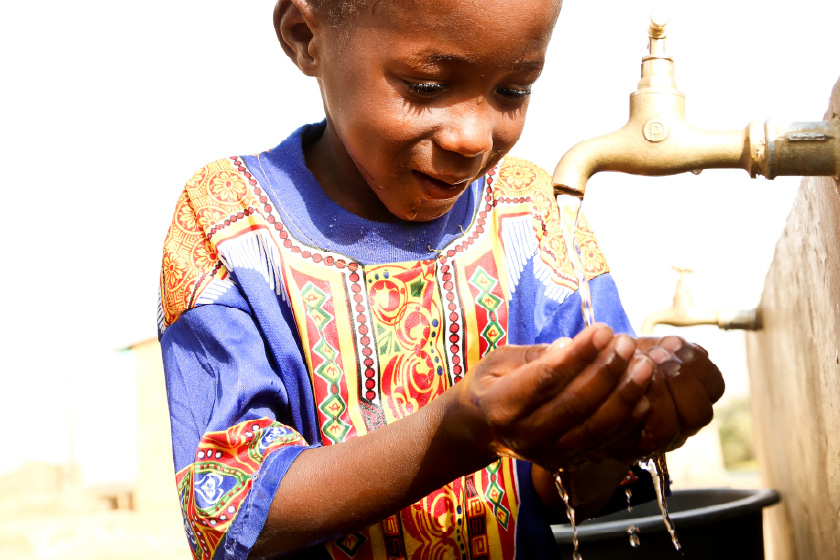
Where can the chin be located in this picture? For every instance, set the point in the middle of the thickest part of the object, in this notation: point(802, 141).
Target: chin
point(429, 215)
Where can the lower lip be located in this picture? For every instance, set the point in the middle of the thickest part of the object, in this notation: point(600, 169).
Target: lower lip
point(441, 190)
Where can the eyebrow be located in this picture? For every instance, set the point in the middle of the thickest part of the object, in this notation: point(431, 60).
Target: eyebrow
point(437, 58)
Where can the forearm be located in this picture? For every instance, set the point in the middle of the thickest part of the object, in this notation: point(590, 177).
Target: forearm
point(338, 489)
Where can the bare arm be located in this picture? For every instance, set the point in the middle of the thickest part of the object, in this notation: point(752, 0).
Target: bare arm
point(518, 401)
point(377, 474)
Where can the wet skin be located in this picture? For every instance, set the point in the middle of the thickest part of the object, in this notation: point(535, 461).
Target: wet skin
point(421, 100)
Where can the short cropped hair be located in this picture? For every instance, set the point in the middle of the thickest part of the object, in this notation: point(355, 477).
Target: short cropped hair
point(338, 10)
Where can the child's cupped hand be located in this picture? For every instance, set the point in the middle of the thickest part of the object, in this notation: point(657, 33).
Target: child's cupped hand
point(589, 398)
point(684, 386)
point(554, 405)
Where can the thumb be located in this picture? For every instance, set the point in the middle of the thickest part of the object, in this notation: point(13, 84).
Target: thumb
point(513, 355)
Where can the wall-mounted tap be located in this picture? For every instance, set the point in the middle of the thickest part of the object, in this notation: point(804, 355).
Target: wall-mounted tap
point(683, 314)
point(657, 140)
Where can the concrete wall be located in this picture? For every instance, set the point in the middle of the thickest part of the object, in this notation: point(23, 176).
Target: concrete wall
point(794, 368)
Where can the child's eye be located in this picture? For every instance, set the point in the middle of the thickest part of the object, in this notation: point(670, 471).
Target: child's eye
point(425, 89)
point(514, 94)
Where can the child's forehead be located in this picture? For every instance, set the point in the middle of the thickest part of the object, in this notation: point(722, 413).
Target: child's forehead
point(405, 12)
point(456, 21)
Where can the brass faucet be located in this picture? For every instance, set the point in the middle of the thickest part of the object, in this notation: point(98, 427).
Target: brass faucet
point(657, 140)
point(683, 314)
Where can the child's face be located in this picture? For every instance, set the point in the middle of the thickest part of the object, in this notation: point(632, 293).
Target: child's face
point(423, 97)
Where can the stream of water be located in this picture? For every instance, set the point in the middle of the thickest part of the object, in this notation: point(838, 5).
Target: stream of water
point(569, 207)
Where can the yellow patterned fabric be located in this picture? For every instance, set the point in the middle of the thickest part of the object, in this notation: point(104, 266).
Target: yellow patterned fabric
point(379, 341)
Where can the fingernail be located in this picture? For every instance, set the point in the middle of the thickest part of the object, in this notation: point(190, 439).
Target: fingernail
point(641, 372)
point(602, 337)
point(560, 343)
point(625, 347)
point(659, 354)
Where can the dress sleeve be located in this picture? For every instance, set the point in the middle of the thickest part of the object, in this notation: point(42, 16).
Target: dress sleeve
point(230, 448)
point(235, 419)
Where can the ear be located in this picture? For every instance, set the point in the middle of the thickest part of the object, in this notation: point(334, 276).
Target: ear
point(296, 26)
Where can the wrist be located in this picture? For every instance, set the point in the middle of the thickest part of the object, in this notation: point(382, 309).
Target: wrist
point(467, 433)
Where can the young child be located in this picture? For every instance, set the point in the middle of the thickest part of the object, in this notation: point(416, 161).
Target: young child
point(372, 335)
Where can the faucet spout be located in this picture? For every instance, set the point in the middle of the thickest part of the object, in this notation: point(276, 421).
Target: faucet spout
point(683, 313)
point(743, 319)
point(658, 141)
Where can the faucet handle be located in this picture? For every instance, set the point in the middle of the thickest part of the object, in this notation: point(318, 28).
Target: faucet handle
point(659, 20)
point(682, 294)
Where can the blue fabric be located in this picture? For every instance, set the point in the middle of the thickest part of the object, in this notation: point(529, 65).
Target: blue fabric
point(301, 199)
point(241, 358)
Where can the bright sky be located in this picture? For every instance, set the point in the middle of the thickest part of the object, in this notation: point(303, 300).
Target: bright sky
point(110, 107)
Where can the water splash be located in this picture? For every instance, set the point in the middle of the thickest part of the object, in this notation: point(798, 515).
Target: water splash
point(569, 207)
point(570, 513)
point(657, 469)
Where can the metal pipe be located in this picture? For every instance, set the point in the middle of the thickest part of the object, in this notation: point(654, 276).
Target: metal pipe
point(657, 140)
point(743, 319)
point(683, 314)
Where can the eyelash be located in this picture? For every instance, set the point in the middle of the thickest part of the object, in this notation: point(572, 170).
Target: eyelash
point(425, 89)
point(429, 90)
point(514, 94)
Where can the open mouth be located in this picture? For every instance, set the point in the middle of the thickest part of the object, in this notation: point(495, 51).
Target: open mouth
point(438, 188)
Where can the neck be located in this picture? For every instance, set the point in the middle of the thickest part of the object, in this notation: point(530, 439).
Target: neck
point(340, 179)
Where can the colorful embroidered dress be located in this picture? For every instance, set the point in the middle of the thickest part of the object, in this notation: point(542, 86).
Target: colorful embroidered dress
point(287, 322)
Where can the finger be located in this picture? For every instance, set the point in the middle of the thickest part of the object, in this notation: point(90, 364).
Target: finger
point(581, 350)
point(587, 392)
point(623, 409)
point(502, 359)
point(528, 388)
point(561, 342)
point(662, 424)
point(707, 373)
point(690, 398)
point(549, 373)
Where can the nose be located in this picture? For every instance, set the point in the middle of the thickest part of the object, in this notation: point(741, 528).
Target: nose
point(467, 129)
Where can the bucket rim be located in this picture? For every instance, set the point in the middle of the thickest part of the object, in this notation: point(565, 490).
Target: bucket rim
point(745, 501)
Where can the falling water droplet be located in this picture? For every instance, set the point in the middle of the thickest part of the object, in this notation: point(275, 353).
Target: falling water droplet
point(570, 513)
point(629, 494)
point(633, 531)
point(657, 469)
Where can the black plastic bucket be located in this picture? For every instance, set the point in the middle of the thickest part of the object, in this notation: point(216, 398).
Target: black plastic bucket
point(716, 523)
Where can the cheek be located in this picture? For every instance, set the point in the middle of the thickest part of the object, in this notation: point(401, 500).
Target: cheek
point(509, 128)
point(385, 122)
